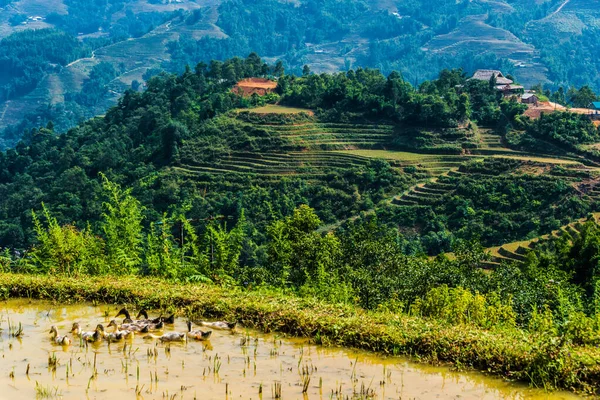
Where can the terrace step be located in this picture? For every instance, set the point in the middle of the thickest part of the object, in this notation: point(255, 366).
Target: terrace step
point(428, 189)
point(455, 174)
point(511, 255)
point(441, 186)
point(426, 192)
point(404, 202)
point(573, 232)
point(412, 196)
point(500, 260)
point(321, 135)
point(491, 265)
point(260, 164)
point(503, 152)
point(523, 250)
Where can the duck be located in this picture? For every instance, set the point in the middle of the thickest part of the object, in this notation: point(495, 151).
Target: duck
point(98, 334)
point(127, 319)
point(169, 320)
point(220, 325)
point(129, 327)
point(168, 337)
point(144, 313)
point(61, 340)
point(155, 327)
point(118, 334)
point(94, 336)
point(197, 334)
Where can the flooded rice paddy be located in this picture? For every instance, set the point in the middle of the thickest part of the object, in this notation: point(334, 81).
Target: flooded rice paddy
point(244, 364)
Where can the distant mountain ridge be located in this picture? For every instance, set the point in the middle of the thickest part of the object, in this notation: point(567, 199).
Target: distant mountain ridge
point(529, 39)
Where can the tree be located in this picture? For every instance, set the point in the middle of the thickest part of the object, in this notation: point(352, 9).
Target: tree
point(171, 136)
point(464, 107)
point(66, 250)
point(278, 70)
point(122, 228)
point(581, 98)
point(306, 70)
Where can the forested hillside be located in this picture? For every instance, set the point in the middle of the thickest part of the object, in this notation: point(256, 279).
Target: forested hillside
point(552, 43)
point(342, 143)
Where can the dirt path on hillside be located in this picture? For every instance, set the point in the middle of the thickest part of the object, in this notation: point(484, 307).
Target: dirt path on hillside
point(82, 59)
point(6, 105)
point(549, 107)
point(559, 8)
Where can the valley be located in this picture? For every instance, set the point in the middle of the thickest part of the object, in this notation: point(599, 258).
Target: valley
point(478, 33)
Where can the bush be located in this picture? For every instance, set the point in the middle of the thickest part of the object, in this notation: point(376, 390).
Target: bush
point(460, 306)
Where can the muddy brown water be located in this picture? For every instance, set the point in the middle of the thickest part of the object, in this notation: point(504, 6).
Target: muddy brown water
point(230, 366)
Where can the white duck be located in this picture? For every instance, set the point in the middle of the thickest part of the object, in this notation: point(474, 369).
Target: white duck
point(94, 336)
point(168, 337)
point(220, 325)
point(61, 340)
point(197, 334)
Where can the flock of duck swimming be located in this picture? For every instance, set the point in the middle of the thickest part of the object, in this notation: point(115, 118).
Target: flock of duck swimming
point(130, 327)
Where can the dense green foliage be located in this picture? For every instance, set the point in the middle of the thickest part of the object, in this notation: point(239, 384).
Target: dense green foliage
point(492, 203)
point(97, 15)
point(253, 230)
point(185, 121)
point(27, 56)
point(565, 129)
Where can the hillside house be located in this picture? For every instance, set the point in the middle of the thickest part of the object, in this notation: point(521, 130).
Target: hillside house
point(503, 84)
point(530, 98)
point(250, 86)
point(595, 110)
point(486, 75)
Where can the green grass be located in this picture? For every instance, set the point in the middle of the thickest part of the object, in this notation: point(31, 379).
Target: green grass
point(503, 351)
point(276, 109)
point(543, 160)
point(406, 156)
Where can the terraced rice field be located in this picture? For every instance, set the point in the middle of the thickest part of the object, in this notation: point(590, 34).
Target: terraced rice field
point(517, 251)
point(327, 136)
point(314, 149)
point(277, 109)
point(280, 164)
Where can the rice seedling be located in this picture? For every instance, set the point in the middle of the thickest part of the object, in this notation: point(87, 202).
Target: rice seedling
point(52, 362)
point(305, 383)
point(216, 364)
point(15, 331)
point(276, 390)
point(46, 392)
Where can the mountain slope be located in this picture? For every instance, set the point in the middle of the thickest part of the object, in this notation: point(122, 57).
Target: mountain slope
point(529, 39)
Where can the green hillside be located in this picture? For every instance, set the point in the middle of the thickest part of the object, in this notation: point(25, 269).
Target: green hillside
point(411, 157)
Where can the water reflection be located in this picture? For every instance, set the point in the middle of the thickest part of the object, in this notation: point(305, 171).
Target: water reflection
point(240, 365)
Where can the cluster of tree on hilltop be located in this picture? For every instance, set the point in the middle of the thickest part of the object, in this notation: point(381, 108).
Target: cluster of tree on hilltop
point(396, 42)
